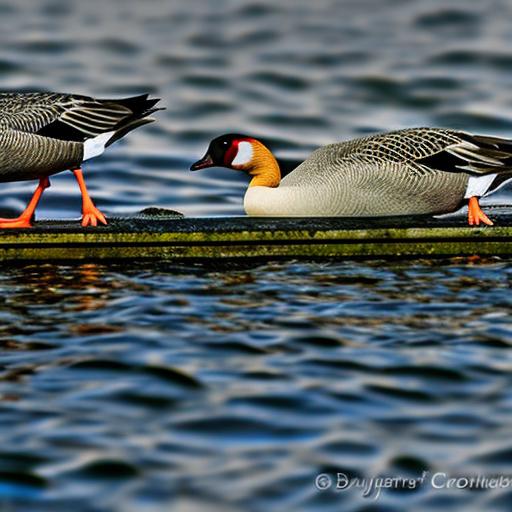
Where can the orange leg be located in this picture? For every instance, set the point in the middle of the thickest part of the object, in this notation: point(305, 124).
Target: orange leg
point(24, 220)
point(475, 213)
point(90, 214)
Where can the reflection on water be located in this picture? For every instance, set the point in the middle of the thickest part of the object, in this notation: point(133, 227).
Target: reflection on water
point(151, 387)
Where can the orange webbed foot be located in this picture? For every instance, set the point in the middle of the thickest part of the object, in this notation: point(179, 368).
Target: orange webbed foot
point(20, 222)
point(25, 219)
point(476, 215)
point(91, 216)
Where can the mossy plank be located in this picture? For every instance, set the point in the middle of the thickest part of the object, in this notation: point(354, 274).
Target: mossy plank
point(242, 237)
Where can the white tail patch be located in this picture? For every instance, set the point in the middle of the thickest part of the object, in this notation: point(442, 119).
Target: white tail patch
point(479, 185)
point(244, 154)
point(96, 146)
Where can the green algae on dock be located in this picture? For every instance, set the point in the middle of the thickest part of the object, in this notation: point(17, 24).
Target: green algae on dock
point(175, 238)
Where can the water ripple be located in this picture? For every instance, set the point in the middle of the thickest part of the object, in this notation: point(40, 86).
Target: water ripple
point(230, 388)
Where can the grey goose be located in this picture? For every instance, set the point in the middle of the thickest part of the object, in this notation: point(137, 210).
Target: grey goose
point(404, 172)
point(42, 134)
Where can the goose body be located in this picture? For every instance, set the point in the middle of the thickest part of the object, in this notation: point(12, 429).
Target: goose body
point(42, 134)
point(411, 171)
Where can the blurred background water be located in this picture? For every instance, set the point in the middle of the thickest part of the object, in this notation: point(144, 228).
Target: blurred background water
point(152, 387)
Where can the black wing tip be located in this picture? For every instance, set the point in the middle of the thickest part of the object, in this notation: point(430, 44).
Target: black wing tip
point(487, 140)
point(484, 155)
point(140, 105)
point(152, 111)
point(139, 108)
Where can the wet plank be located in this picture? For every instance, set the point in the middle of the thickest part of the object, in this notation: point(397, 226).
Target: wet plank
point(166, 237)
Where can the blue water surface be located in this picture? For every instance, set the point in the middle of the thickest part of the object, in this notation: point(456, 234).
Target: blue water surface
point(152, 386)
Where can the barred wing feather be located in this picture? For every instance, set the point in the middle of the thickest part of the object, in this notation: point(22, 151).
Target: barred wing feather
point(72, 117)
point(93, 118)
point(474, 154)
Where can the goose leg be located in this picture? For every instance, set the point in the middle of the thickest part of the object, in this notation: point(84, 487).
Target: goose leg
point(475, 213)
point(24, 220)
point(90, 214)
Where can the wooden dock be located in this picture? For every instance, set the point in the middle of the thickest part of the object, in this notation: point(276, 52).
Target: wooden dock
point(167, 237)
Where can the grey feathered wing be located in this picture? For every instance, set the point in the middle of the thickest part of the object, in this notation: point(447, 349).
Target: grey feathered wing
point(434, 148)
point(422, 150)
point(72, 117)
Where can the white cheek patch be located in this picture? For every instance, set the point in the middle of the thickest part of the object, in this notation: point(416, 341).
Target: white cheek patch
point(479, 185)
point(244, 155)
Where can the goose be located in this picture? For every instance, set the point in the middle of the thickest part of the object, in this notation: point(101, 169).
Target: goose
point(42, 134)
point(403, 172)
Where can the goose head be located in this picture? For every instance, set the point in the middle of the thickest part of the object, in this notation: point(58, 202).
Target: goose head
point(242, 153)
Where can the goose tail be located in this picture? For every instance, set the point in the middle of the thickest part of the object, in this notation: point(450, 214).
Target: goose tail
point(141, 107)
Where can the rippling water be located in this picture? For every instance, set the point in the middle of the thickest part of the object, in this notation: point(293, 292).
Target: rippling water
point(151, 388)
point(131, 389)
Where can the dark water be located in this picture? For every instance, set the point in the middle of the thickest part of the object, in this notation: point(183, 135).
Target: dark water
point(151, 387)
